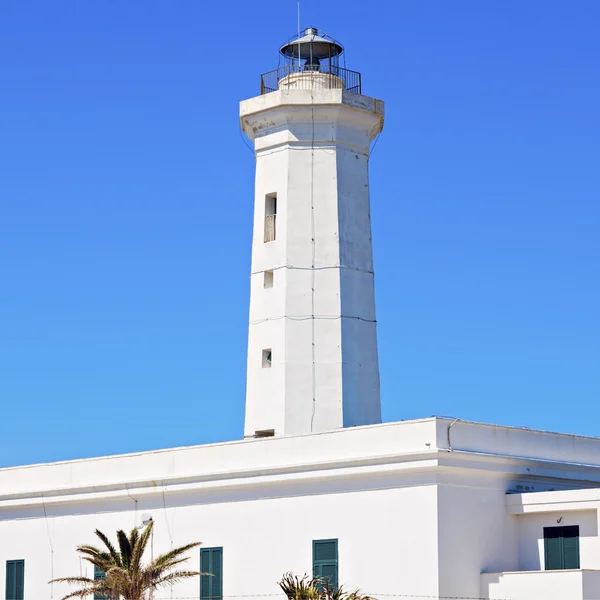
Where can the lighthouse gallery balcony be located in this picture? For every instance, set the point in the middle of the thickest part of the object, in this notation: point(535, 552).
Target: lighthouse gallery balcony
point(325, 77)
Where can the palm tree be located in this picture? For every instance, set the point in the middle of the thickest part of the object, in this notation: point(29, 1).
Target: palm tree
point(124, 574)
point(300, 588)
point(305, 588)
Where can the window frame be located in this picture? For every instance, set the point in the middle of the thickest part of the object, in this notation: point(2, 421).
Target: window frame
point(268, 279)
point(13, 594)
point(318, 564)
point(270, 225)
point(557, 557)
point(267, 358)
point(211, 580)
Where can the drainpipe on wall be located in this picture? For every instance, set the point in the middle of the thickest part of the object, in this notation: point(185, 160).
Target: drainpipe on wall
point(449, 428)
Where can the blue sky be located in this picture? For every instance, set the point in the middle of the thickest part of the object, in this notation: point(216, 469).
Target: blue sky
point(126, 197)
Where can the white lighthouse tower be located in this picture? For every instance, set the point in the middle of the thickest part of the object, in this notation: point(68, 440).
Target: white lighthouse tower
point(312, 342)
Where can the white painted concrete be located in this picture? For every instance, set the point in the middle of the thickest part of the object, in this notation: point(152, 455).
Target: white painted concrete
point(304, 80)
point(318, 319)
point(411, 516)
point(545, 585)
point(552, 501)
point(474, 534)
point(261, 539)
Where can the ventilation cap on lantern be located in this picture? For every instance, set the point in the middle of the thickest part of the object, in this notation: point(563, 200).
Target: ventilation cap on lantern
point(311, 45)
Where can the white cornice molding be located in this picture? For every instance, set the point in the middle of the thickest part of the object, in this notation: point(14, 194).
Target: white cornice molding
point(458, 464)
point(270, 114)
point(553, 501)
point(227, 481)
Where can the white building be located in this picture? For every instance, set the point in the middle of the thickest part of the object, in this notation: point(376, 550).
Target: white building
point(433, 508)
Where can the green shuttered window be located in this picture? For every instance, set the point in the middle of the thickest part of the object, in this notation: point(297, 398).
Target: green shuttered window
point(561, 547)
point(99, 574)
point(15, 579)
point(325, 561)
point(211, 561)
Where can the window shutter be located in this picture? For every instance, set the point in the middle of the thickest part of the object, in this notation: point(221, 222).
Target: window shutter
point(561, 547)
point(571, 548)
point(11, 579)
point(217, 571)
point(325, 561)
point(205, 568)
point(211, 561)
point(552, 553)
point(329, 573)
point(99, 574)
point(15, 579)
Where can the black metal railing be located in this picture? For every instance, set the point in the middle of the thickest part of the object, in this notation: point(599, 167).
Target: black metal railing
point(325, 76)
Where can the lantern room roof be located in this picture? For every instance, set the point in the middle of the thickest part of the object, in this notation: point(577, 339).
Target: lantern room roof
point(313, 43)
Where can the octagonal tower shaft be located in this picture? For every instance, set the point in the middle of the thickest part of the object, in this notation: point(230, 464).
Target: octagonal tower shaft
point(312, 342)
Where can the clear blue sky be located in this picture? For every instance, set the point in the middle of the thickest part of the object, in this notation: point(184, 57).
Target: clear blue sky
point(126, 199)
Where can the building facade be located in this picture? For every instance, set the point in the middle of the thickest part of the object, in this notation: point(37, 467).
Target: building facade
point(433, 508)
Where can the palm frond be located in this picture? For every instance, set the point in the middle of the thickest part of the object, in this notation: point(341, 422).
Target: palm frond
point(358, 595)
point(111, 549)
point(176, 576)
point(330, 592)
point(89, 586)
point(300, 588)
point(164, 559)
point(151, 568)
point(77, 594)
point(124, 547)
point(103, 561)
point(91, 550)
point(117, 575)
point(307, 588)
point(73, 580)
point(133, 538)
point(95, 553)
point(139, 547)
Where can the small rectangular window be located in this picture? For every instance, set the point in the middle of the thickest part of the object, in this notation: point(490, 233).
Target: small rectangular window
point(325, 562)
point(268, 281)
point(267, 357)
point(211, 586)
point(561, 547)
point(270, 217)
point(15, 579)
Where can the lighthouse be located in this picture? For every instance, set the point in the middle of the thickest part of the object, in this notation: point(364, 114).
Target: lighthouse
point(312, 335)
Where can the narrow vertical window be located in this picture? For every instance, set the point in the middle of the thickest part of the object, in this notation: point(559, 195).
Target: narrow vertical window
point(99, 574)
point(267, 358)
point(561, 548)
point(270, 217)
point(15, 579)
point(268, 282)
point(211, 586)
point(325, 562)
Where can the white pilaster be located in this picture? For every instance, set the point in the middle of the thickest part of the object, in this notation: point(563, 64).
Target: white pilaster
point(318, 317)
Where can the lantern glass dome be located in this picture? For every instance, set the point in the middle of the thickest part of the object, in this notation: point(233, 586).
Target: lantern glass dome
point(312, 50)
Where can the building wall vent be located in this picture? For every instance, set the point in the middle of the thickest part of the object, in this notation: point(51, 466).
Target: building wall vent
point(263, 433)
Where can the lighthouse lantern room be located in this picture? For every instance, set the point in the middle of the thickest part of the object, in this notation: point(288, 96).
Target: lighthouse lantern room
point(311, 60)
